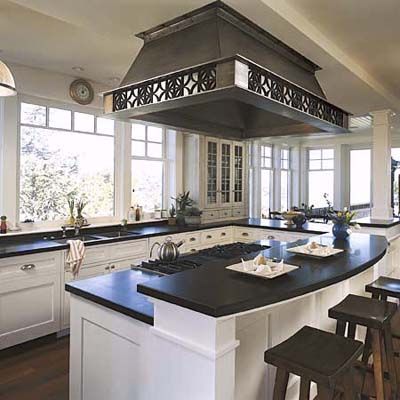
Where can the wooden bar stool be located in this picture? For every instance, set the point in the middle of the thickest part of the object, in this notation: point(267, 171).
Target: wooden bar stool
point(317, 356)
point(375, 315)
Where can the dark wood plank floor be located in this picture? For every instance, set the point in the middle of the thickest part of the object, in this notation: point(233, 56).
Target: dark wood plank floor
point(35, 371)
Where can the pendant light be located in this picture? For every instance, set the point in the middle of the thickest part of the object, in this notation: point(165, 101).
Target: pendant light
point(7, 83)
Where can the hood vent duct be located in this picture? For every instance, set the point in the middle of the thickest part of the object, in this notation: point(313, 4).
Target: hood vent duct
point(213, 71)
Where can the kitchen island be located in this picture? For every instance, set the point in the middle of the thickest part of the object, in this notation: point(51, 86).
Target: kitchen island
point(204, 335)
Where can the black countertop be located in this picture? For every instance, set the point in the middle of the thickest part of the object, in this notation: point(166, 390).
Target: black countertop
point(378, 223)
point(117, 291)
point(215, 291)
point(17, 245)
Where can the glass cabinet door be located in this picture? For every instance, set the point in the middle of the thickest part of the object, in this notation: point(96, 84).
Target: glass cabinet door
point(212, 169)
point(239, 174)
point(225, 173)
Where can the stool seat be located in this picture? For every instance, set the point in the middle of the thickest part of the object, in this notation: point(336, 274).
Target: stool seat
point(384, 286)
point(364, 311)
point(319, 356)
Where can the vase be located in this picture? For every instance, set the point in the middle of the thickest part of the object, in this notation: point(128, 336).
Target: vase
point(341, 231)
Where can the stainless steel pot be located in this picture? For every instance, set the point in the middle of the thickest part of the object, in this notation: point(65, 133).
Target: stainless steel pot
point(168, 251)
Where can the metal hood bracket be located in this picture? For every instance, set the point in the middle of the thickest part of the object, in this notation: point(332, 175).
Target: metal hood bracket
point(228, 95)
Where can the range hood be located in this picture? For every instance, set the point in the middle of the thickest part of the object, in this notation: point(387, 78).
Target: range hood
point(213, 71)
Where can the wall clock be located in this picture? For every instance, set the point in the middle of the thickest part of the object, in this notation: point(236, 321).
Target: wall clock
point(81, 91)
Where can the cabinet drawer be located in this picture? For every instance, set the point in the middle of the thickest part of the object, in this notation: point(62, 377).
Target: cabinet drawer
point(245, 234)
point(192, 239)
point(95, 254)
point(216, 236)
point(134, 249)
point(238, 212)
point(210, 215)
point(26, 267)
point(225, 213)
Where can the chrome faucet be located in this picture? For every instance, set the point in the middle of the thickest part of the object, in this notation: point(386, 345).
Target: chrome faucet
point(64, 231)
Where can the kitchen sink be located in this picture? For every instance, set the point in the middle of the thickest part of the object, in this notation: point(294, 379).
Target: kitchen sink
point(118, 234)
point(85, 238)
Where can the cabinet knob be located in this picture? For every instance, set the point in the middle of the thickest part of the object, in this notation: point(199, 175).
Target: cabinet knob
point(192, 239)
point(270, 237)
point(112, 266)
point(245, 234)
point(223, 234)
point(208, 237)
point(107, 268)
point(27, 267)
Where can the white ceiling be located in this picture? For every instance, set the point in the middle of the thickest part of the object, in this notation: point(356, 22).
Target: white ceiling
point(360, 73)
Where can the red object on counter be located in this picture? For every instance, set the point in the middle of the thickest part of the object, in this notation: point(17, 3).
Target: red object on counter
point(3, 225)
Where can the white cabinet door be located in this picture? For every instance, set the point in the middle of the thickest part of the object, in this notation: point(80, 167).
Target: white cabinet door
point(212, 173)
point(29, 297)
point(85, 272)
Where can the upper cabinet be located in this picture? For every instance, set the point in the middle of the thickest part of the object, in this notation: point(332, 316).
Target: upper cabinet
point(215, 173)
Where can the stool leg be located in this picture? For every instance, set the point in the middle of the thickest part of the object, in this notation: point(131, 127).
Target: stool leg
point(351, 331)
point(390, 361)
point(367, 347)
point(304, 389)
point(348, 386)
point(281, 381)
point(340, 328)
point(325, 393)
point(376, 339)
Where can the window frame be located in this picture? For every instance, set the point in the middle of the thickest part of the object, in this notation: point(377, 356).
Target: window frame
point(270, 168)
point(289, 176)
point(321, 148)
point(72, 108)
point(163, 159)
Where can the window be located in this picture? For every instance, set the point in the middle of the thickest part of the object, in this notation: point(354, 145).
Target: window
point(285, 179)
point(147, 166)
point(56, 161)
point(320, 176)
point(396, 180)
point(360, 177)
point(266, 180)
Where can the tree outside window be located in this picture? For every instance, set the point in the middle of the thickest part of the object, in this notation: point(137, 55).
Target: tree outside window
point(56, 161)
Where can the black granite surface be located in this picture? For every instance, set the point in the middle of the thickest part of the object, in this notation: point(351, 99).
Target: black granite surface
point(117, 291)
point(216, 291)
point(17, 245)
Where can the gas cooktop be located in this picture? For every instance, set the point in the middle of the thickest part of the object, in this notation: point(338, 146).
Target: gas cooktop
point(195, 260)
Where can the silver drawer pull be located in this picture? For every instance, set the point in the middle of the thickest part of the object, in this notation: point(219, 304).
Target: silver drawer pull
point(192, 239)
point(245, 234)
point(208, 237)
point(270, 237)
point(27, 267)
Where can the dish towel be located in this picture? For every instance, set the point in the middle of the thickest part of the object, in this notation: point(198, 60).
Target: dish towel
point(75, 256)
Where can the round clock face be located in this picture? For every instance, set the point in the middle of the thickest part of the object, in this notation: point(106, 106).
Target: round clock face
point(81, 91)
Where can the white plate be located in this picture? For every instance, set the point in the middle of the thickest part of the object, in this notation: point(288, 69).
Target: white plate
point(320, 252)
point(239, 268)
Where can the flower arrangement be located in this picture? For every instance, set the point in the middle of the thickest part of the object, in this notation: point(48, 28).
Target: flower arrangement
point(342, 220)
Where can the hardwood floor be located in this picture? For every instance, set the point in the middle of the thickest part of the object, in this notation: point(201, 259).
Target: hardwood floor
point(35, 371)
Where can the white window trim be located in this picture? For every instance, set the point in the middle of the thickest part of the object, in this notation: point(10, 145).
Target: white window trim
point(118, 213)
point(164, 159)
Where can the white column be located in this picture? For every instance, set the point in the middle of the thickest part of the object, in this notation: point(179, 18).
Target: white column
point(295, 160)
point(381, 165)
point(341, 192)
point(255, 180)
point(194, 354)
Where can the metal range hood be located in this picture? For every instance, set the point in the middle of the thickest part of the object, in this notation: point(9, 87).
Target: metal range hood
point(213, 71)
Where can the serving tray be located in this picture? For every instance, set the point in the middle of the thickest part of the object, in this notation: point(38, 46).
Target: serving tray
point(319, 252)
point(265, 275)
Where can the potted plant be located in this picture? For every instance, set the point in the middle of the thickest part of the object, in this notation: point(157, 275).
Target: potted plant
point(193, 216)
point(172, 215)
point(71, 207)
point(80, 205)
point(183, 201)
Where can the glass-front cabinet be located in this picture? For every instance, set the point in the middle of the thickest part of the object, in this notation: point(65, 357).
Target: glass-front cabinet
point(225, 173)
